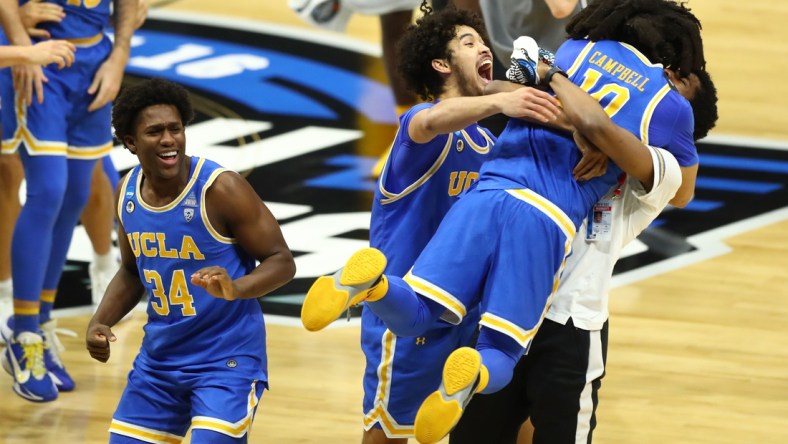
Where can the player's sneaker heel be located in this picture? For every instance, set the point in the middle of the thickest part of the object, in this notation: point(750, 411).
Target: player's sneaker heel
point(330, 296)
point(442, 409)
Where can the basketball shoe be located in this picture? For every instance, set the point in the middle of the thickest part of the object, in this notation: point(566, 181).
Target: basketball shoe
point(52, 349)
point(360, 279)
point(23, 358)
point(463, 376)
point(525, 58)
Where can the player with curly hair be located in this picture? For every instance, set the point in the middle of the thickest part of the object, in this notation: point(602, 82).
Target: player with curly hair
point(190, 235)
point(435, 155)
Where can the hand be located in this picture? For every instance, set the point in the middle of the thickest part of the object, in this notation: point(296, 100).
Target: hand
point(36, 11)
point(532, 104)
point(142, 13)
point(215, 281)
point(52, 51)
point(106, 82)
point(29, 79)
point(97, 339)
point(593, 163)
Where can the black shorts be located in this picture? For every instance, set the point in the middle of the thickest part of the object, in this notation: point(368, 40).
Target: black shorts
point(555, 384)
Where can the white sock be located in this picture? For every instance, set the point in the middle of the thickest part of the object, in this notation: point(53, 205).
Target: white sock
point(105, 261)
point(6, 288)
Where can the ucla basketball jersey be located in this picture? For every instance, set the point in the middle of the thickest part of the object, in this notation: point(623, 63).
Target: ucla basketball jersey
point(407, 209)
point(186, 325)
point(84, 19)
point(636, 95)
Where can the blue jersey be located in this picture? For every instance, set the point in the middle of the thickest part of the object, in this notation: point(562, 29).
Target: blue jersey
point(84, 19)
point(637, 96)
point(186, 325)
point(418, 185)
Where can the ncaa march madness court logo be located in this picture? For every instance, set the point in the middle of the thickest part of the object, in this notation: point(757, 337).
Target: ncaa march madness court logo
point(304, 116)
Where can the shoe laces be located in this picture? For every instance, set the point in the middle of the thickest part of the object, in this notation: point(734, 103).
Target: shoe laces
point(32, 354)
point(52, 341)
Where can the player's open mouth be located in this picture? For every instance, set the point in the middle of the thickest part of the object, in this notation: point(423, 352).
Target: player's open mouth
point(168, 157)
point(485, 70)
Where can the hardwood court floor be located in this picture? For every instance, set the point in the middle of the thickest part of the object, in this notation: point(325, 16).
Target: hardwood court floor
point(697, 355)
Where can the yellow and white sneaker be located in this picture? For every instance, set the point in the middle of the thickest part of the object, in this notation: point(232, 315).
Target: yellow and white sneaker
point(360, 279)
point(463, 376)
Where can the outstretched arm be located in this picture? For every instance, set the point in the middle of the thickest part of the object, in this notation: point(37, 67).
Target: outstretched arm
point(235, 210)
point(458, 112)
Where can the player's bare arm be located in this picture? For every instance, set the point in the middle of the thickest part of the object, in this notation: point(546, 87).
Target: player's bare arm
point(122, 295)
point(592, 164)
point(235, 210)
point(106, 82)
point(590, 120)
point(458, 112)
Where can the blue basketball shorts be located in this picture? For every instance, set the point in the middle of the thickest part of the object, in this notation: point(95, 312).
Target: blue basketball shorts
point(502, 250)
point(159, 406)
point(401, 372)
point(62, 125)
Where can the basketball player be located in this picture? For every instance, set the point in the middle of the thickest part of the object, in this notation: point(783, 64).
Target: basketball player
point(60, 142)
point(57, 52)
point(504, 245)
point(190, 234)
point(435, 156)
point(557, 382)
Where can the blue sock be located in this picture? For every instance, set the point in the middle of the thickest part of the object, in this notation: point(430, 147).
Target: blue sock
point(405, 312)
point(500, 354)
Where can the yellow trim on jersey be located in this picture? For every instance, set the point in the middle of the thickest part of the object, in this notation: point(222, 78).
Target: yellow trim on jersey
point(204, 212)
point(660, 167)
point(392, 197)
point(143, 433)
point(87, 42)
point(581, 57)
point(437, 294)
point(640, 55)
point(645, 123)
point(548, 208)
point(479, 149)
point(122, 197)
point(379, 412)
point(390, 427)
point(385, 367)
point(236, 429)
point(508, 328)
point(89, 152)
point(178, 199)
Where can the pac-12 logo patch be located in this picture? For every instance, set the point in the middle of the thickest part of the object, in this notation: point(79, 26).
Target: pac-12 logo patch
point(188, 214)
point(129, 206)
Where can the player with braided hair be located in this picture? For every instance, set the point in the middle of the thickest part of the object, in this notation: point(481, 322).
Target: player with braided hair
point(435, 155)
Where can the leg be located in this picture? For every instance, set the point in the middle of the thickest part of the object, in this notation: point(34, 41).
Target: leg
point(11, 175)
point(77, 190)
point(99, 214)
point(377, 436)
point(567, 368)
point(99, 221)
point(150, 407)
point(223, 405)
point(402, 371)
